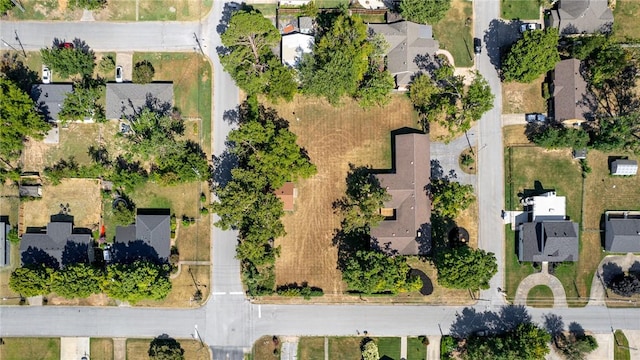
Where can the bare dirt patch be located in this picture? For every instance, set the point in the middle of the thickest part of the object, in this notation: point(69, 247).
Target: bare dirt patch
point(523, 98)
point(82, 195)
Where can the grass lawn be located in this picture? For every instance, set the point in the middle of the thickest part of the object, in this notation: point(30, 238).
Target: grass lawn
point(101, 349)
point(183, 288)
point(266, 9)
point(172, 10)
point(263, 349)
point(193, 349)
point(540, 296)
point(44, 10)
point(523, 98)
point(621, 349)
point(311, 348)
point(326, 4)
point(191, 76)
point(520, 9)
point(345, 348)
point(30, 348)
point(626, 24)
point(388, 347)
point(416, 350)
point(514, 271)
point(454, 35)
point(514, 135)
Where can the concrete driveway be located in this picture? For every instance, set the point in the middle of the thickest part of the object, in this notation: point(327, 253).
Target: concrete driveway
point(634, 342)
point(74, 348)
point(444, 157)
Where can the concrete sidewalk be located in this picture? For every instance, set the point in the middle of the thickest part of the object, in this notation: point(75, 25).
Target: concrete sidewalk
point(541, 278)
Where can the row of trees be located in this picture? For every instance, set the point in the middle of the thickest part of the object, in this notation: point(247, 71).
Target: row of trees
point(127, 282)
point(267, 156)
point(441, 96)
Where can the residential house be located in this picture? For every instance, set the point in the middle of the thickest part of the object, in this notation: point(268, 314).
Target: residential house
point(571, 99)
point(624, 167)
point(149, 238)
point(56, 245)
point(5, 245)
point(49, 99)
point(406, 229)
point(287, 194)
point(407, 41)
point(294, 46)
point(127, 99)
point(582, 17)
point(622, 232)
point(547, 236)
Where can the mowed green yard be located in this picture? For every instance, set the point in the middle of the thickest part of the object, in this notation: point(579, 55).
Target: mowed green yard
point(30, 348)
point(520, 9)
point(454, 33)
point(348, 348)
point(626, 24)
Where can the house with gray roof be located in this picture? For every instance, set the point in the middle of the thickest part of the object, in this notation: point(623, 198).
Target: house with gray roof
point(5, 245)
point(622, 232)
point(624, 167)
point(571, 100)
point(406, 229)
point(548, 241)
point(56, 245)
point(407, 41)
point(582, 17)
point(49, 99)
point(149, 238)
point(124, 100)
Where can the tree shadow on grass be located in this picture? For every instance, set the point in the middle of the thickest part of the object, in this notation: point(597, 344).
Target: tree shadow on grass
point(471, 321)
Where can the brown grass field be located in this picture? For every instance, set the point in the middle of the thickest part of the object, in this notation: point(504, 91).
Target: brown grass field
point(523, 98)
point(82, 195)
point(138, 349)
point(263, 349)
point(514, 135)
point(101, 349)
point(333, 137)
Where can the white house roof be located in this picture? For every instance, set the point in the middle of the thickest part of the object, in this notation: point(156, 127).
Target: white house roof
point(294, 46)
point(548, 206)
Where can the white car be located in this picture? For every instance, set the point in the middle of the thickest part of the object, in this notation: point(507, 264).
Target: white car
point(119, 74)
point(46, 75)
point(530, 26)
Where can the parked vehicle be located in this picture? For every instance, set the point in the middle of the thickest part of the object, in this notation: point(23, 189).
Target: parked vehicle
point(65, 45)
point(119, 74)
point(46, 75)
point(536, 117)
point(477, 45)
point(530, 26)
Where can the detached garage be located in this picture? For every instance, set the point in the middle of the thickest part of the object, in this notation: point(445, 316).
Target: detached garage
point(624, 167)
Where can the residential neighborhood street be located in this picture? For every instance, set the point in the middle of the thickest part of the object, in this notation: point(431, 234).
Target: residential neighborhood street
point(229, 322)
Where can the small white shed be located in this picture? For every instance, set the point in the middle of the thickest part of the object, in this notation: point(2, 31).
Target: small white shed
point(624, 167)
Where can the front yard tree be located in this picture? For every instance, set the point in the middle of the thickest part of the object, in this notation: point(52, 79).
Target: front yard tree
point(559, 136)
point(165, 348)
point(533, 55)
point(137, 281)
point(449, 198)
point(183, 163)
point(465, 268)
point(18, 119)
point(6, 5)
point(153, 132)
point(76, 281)
point(68, 61)
point(372, 272)
point(424, 11)
point(525, 342)
point(31, 280)
point(477, 100)
point(83, 102)
point(370, 351)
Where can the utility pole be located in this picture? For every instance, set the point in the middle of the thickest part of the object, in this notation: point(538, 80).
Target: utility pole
point(198, 42)
point(16, 3)
point(20, 42)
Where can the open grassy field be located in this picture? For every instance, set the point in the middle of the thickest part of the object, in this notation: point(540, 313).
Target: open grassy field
point(101, 349)
point(183, 288)
point(626, 24)
point(173, 10)
point(44, 10)
point(454, 33)
point(311, 348)
point(345, 348)
point(191, 76)
point(388, 347)
point(514, 135)
point(263, 349)
point(30, 348)
point(416, 350)
point(520, 9)
point(621, 350)
point(193, 349)
point(520, 98)
point(540, 296)
point(333, 137)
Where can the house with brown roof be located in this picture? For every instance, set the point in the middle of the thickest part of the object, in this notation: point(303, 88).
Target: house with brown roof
point(407, 41)
point(571, 100)
point(582, 17)
point(406, 229)
point(287, 194)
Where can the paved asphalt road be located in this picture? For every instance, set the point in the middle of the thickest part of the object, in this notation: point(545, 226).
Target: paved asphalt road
point(229, 322)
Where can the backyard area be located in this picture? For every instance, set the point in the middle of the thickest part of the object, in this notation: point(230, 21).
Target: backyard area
point(30, 348)
point(626, 24)
point(454, 32)
point(518, 98)
point(520, 9)
point(193, 349)
point(333, 138)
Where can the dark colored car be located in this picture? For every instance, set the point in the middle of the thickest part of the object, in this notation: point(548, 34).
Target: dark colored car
point(65, 45)
point(477, 45)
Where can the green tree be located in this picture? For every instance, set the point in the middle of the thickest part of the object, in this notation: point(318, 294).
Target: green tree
point(6, 5)
point(449, 198)
point(465, 268)
point(88, 4)
point(370, 351)
point(84, 102)
point(107, 63)
point(141, 280)
point(372, 272)
point(153, 133)
point(31, 280)
point(478, 99)
point(143, 72)
point(67, 61)
point(76, 281)
point(533, 55)
point(424, 94)
point(553, 137)
point(364, 198)
point(281, 81)
point(165, 348)
point(123, 214)
point(18, 119)
point(183, 163)
point(339, 61)
point(424, 11)
point(526, 342)
point(12, 236)
point(375, 88)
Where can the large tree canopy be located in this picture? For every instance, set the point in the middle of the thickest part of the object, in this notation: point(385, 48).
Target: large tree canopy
point(19, 119)
point(371, 272)
point(465, 268)
point(76, 281)
point(526, 342)
point(531, 56)
point(165, 348)
point(137, 281)
point(31, 280)
point(84, 102)
point(449, 198)
point(424, 11)
point(68, 61)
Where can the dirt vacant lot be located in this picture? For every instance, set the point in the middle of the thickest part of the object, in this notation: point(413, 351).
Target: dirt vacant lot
point(520, 98)
point(333, 137)
point(82, 195)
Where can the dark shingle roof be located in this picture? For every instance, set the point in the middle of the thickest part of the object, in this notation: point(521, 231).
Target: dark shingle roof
point(582, 16)
point(622, 235)
point(570, 97)
point(49, 98)
point(408, 198)
point(125, 99)
point(552, 241)
point(149, 238)
point(57, 246)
